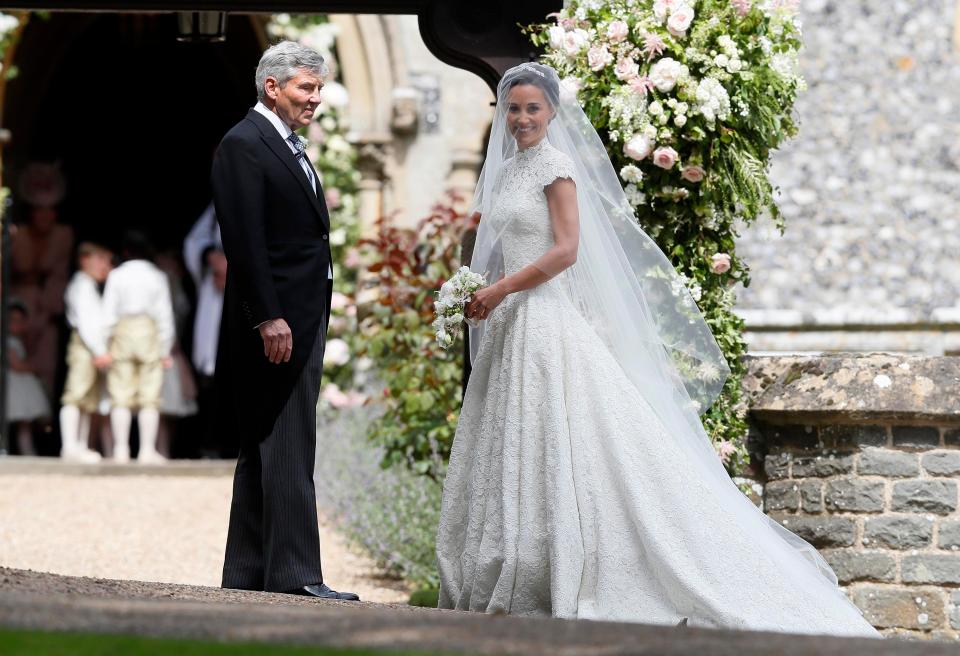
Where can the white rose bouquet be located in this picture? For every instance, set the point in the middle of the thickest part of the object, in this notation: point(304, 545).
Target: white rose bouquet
point(452, 298)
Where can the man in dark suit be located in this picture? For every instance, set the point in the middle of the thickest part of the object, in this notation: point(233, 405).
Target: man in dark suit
point(275, 229)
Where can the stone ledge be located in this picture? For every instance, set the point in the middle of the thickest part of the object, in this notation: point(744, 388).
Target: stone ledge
point(854, 388)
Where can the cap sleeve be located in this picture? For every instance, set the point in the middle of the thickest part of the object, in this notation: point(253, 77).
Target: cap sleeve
point(556, 166)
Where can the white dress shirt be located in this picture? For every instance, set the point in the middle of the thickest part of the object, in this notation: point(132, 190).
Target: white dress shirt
point(139, 288)
point(285, 132)
point(205, 234)
point(85, 312)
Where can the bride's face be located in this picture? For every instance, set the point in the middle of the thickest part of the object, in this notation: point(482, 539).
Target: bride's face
point(528, 114)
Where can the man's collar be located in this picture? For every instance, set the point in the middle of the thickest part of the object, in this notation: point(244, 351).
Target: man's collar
point(281, 127)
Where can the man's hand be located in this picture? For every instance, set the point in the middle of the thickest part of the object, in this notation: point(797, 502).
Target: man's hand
point(277, 340)
point(102, 362)
point(217, 262)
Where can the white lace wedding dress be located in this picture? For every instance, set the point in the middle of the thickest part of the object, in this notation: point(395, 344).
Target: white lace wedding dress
point(566, 497)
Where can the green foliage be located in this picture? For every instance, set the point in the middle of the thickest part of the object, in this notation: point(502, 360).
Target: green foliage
point(721, 139)
point(33, 643)
point(422, 381)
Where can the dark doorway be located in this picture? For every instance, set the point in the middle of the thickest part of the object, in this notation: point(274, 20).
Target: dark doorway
point(132, 114)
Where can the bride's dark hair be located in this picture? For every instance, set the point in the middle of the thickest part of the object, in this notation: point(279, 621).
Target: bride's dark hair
point(539, 76)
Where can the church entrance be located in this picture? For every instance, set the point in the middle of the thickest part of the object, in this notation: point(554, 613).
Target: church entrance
point(131, 117)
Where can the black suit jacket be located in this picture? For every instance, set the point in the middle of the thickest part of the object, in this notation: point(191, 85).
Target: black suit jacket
point(275, 231)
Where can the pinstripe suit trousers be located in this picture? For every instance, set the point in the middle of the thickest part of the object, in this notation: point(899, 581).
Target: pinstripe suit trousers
point(273, 542)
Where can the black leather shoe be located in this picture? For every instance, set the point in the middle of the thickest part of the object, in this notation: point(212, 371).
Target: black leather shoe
point(324, 592)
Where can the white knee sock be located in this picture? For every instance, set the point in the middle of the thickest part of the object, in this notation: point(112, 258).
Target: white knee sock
point(148, 419)
point(69, 430)
point(120, 425)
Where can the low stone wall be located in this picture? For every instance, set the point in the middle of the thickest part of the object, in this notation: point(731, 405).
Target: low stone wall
point(861, 457)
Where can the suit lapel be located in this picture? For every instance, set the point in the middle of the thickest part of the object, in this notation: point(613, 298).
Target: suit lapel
point(275, 142)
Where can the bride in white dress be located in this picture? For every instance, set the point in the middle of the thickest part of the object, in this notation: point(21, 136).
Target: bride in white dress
point(581, 482)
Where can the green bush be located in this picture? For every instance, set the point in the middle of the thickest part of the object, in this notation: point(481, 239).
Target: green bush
point(422, 382)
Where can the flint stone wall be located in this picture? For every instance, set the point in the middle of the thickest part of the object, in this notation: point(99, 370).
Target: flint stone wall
point(861, 457)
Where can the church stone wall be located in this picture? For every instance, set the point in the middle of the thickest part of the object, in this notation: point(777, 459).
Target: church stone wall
point(861, 457)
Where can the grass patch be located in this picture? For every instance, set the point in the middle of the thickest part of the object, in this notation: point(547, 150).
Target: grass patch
point(45, 643)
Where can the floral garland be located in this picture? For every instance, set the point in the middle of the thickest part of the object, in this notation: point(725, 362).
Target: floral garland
point(336, 161)
point(692, 96)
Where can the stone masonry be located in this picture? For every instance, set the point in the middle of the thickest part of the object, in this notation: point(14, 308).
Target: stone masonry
point(861, 456)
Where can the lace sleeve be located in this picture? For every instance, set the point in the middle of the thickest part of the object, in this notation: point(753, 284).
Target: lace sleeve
point(555, 167)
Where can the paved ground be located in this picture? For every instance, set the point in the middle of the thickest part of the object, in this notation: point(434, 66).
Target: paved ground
point(163, 524)
point(43, 601)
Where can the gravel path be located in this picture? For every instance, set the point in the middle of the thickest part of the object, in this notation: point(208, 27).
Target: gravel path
point(169, 529)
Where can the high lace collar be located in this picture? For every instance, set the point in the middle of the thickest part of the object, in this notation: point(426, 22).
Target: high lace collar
point(528, 154)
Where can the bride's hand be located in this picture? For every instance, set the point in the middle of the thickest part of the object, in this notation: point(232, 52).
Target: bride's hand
point(485, 300)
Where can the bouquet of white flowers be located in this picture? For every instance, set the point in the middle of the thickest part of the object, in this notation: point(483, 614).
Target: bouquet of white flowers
point(453, 297)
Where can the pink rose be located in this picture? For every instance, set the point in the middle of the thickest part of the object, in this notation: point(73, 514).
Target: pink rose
point(642, 84)
point(332, 196)
point(568, 23)
point(575, 41)
point(692, 173)
point(720, 263)
point(617, 31)
point(741, 6)
point(338, 301)
point(353, 258)
point(665, 157)
point(626, 69)
point(679, 21)
point(599, 57)
point(638, 147)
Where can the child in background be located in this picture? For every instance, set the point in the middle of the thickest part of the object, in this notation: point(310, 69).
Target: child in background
point(86, 352)
point(26, 400)
point(139, 318)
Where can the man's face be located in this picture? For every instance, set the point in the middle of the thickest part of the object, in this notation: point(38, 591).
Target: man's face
point(296, 102)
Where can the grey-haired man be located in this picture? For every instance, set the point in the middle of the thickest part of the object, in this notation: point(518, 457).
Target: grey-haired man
point(275, 229)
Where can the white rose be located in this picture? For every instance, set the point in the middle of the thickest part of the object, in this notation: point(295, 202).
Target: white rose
point(666, 73)
point(631, 173)
point(638, 147)
point(570, 86)
point(655, 108)
point(557, 35)
point(650, 132)
point(679, 120)
point(335, 95)
point(337, 352)
point(721, 60)
point(660, 9)
point(455, 319)
point(680, 19)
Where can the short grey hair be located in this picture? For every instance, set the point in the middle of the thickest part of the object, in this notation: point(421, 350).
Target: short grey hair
point(283, 60)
